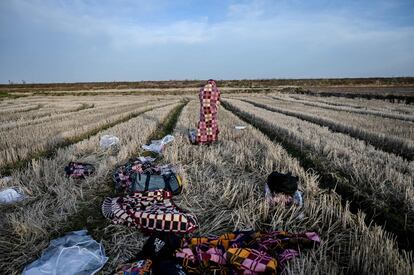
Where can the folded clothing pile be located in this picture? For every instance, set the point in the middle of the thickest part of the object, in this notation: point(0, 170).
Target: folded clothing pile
point(141, 174)
point(150, 211)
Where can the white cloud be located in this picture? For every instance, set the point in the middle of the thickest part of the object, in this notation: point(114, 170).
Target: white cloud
point(254, 38)
point(244, 21)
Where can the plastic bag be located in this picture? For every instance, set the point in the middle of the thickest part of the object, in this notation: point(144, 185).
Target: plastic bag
point(157, 146)
point(146, 159)
point(107, 141)
point(10, 195)
point(74, 253)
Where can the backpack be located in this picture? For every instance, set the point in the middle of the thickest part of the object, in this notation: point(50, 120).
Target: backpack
point(282, 183)
point(138, 176)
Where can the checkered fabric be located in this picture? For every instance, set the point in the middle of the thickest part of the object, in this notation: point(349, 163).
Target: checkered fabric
point(250, 261)
point(242, 252)
point(138, 267)
point(149, 211)
point(79, 170)
point(207, 130)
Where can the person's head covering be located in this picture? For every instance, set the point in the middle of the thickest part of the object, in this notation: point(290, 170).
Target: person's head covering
point(211, 81)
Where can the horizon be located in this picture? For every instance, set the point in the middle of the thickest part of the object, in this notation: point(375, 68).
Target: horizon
point(218, 80)
point(128, 41)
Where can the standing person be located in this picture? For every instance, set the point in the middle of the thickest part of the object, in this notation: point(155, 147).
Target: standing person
point(207, 129)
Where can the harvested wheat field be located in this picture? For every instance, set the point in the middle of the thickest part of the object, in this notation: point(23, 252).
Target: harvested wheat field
point(353, 158)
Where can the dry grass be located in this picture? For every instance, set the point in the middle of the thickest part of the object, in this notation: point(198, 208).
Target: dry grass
point(58, 204)
point(381, 113)
point(30, 140)
point(225, 190)
point(359, 103)
point(383, 180)
point(391, 135)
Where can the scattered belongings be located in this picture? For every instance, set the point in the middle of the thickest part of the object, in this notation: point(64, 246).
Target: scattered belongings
point(74, 253)
point(246, 252)
point(108, 141)
point(243, 252)
point(157, 146)
point(282, 189)
point(141, 174)
point(79, 170)
point(156, 257)
point(150, 211)
point(10, 195)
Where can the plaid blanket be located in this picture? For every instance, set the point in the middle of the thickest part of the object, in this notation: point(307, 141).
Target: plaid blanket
point(207, 130)
point(149, 211)
point(243, 252)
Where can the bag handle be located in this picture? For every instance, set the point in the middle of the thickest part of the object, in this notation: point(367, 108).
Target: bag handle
point(147, 181)
point(167, 179)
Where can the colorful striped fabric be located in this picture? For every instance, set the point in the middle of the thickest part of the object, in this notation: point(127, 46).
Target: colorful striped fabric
point(207, 130)
point(243, 252)
point(250, 261)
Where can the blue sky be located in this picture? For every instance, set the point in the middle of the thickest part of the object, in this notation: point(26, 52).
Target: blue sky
point(102, 40)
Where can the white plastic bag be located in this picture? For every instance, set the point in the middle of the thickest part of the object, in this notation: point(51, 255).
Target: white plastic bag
point(74, 253)
point(157, 146)
point(10, 195)
point(146, 159)
point(107, 141)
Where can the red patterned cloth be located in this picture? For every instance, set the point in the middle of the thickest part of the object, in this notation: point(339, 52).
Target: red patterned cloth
point(207, 129)
point(150, 211)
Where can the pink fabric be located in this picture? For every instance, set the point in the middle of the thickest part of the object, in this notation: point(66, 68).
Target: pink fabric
point(207, 129)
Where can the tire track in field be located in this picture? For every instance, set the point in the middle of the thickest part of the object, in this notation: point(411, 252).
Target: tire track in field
point(350, 109)
point(89, 215)
point(164, 127)
point(7, 169)
point(391, 218)
point(387, 144)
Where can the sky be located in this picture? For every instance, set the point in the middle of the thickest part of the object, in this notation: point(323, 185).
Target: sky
point(131, 40)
